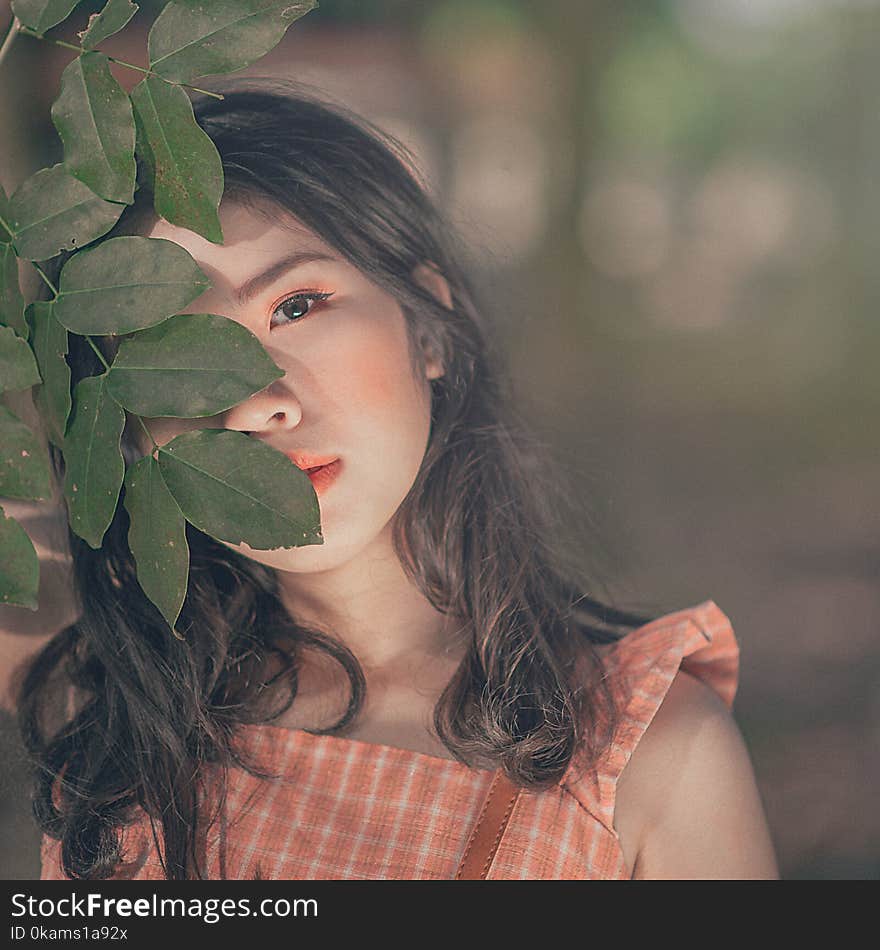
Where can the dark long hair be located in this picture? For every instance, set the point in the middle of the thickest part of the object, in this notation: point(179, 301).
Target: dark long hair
point(480, 534)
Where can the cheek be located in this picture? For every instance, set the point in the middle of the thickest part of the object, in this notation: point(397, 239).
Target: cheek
point(373, 370)
point(372, 380)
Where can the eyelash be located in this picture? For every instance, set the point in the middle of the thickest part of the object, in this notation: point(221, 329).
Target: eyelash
point(316, 296)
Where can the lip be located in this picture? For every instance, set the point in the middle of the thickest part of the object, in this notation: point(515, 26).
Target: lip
point(324, 469)
point(304, 460)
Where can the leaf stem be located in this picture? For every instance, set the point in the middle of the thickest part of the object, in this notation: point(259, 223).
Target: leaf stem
point(45, 277)
point(94, 346)
point(9, 39)
point(144, 427)
point(119, 62)
point(9, 25)
point(7, 228)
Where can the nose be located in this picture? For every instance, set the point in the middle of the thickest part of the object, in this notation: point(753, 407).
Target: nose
point(273, 409)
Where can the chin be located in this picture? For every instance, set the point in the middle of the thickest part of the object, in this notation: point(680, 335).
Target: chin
point(308, 559)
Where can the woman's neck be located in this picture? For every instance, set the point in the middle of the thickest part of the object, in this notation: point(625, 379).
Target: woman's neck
point(371, 605)
point(408, 650)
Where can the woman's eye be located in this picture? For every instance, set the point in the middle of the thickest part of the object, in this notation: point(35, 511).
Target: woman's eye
point(298, 306)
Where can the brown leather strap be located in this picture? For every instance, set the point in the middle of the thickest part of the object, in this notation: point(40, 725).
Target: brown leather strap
point(486, 836)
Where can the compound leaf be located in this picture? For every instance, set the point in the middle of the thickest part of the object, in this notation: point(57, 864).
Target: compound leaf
point(93, 459)
point(53, 211)
point(193, 38)
point(49, 343)
point(98, 295)
point(94, 120)
point(193, 365)
point(237, 489)
point(19, 565)
point(24, 463)
point(186, 170)
point(17, 367)
point(42, 15)
point(11, 301)
point(157, 538)
point(5, 218)
point(110, 20)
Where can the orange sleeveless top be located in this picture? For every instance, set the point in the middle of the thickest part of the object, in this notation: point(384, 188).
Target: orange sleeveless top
point(344, 808)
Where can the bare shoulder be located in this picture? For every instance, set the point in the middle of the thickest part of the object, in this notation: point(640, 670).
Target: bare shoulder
point(687, 803)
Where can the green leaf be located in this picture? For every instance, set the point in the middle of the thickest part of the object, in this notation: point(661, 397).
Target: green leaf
point(237, 489)
point(157, 538)
point(53, 211)
point(17, 367)
point(93, 459)
point(97, 295)
point(94, 119)
point(24, 463)
point(11, 301)
point(5, 218)
point(42, 15)
point(193, 365)
point(110, 20)
point(192, 38)
point(19, 565)
point(186, 171)
point(49, 342)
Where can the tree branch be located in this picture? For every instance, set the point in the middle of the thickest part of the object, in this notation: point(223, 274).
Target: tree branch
point(119, 62)
point(9, 39)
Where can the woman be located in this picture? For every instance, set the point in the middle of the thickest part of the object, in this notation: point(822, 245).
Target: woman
point(342, 710)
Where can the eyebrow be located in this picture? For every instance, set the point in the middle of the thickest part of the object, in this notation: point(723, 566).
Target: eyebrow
point(251, 287)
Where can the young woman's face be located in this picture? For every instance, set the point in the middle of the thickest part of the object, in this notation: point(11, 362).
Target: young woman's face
point(349, 392)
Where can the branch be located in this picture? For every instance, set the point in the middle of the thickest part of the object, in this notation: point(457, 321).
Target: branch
point(119, 62)
point(5, 225)
point(13, 31)
point(150, 437)
point(99, 354)
point(45, 277)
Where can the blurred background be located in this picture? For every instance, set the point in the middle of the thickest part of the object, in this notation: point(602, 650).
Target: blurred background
point(671, 211)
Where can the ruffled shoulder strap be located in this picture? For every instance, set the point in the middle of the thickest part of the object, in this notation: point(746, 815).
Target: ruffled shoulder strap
point(640, 668)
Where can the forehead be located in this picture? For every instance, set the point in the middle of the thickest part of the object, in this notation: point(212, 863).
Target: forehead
point(253, 237)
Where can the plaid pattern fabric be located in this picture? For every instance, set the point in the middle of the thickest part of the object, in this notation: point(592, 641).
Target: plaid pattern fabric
point(344, 808)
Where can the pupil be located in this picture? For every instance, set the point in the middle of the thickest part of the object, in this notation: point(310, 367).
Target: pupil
point(296, 307)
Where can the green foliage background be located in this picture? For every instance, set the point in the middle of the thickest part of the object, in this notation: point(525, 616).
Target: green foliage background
point(168, 364)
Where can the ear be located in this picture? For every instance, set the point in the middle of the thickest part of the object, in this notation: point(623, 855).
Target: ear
point(428, 275)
